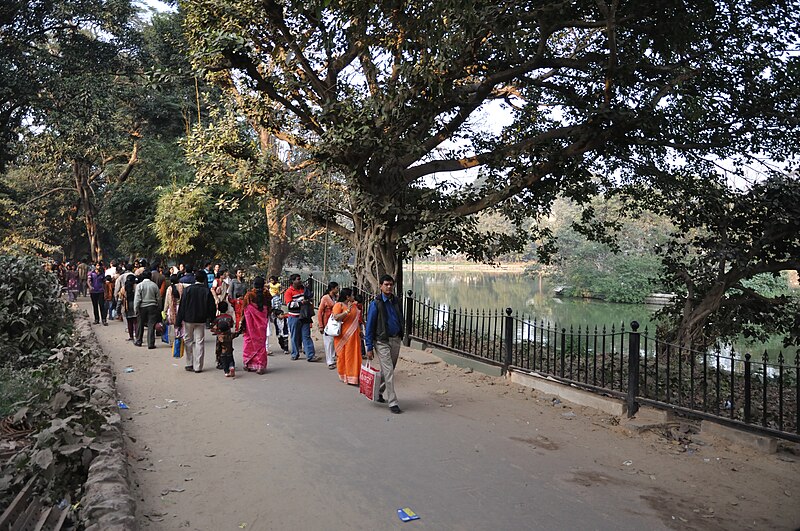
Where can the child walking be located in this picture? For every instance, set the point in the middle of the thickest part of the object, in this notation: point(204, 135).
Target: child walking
point(108, 297)
point(222, 327)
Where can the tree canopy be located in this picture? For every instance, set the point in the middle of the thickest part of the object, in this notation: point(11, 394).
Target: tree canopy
point(384, 102)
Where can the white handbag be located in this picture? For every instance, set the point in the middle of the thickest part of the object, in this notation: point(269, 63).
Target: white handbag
point(333, 328)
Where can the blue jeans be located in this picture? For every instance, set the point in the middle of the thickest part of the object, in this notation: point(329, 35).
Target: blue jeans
point(300, 333)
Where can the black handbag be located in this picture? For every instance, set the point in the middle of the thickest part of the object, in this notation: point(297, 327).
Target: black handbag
point(306, 312)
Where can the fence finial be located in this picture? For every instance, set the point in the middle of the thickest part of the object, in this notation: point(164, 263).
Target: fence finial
point(634, 325)
point(509, 311)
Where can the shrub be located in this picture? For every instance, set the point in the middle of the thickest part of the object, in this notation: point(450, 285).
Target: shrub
point(33, 316)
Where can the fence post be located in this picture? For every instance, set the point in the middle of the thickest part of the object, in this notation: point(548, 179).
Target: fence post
point(633, 369)
point(563, 351)
point(453, 327)
point(409, 318)
point(747, 394)
point(508, 340)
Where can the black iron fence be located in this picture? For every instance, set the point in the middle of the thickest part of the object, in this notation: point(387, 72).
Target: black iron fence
point(758, 395)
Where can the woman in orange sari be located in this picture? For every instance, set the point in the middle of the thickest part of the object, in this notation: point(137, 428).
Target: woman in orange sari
point(348, 344)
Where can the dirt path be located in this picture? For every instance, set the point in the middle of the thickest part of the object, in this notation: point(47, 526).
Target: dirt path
point(297, 449)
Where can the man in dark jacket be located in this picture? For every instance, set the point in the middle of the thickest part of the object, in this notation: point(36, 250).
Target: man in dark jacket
point(197, 306)
point(383, 334)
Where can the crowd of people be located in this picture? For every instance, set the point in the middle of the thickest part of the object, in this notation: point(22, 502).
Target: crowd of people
point(179, 304)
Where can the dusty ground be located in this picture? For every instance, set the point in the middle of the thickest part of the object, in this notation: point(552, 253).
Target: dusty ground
point(296, 449)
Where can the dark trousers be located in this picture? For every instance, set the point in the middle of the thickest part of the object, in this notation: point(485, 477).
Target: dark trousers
point(148, 315)
point(225, 355)
point(132, 326)
point(98, 305)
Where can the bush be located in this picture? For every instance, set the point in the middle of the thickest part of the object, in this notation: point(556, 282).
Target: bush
point(33, 316)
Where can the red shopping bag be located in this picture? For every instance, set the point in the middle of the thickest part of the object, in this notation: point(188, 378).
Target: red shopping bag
point(369, 382)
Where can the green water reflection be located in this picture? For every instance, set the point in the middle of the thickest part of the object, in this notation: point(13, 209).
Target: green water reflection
point(523, 294)
point(490, 291)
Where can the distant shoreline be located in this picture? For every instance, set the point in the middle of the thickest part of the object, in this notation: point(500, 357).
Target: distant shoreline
point(510, 267)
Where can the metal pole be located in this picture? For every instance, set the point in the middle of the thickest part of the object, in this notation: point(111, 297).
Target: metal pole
point(747, 391)
point(508, 340)
point(633, 369)
point(409, 318)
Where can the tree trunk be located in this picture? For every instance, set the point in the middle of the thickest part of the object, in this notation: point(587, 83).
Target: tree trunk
point(80, 172)
point(376, 255)
point(278, 231)
point(277, 214)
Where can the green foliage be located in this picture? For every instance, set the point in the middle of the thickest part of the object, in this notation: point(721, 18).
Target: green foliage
point(725, 259)
point(180, 217)
point(388, 103)
point(623, 267)
point(192, 225)
point(17, 385)
point(32, 314)
point(56, 405)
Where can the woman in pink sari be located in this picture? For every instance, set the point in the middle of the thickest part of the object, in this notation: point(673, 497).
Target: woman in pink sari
point(348, 344)
point(255, 328)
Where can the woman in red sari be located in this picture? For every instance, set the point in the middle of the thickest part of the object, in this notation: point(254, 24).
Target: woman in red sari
point(255, 328)
point(348, 344)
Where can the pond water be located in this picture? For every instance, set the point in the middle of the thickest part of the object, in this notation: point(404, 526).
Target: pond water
point(524, 294)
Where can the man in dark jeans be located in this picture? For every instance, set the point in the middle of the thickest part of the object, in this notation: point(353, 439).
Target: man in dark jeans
point(148, 306)
point(95, 282)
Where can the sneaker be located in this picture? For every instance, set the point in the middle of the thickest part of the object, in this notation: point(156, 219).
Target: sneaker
point(396, 410)
point(332, 366)
point(381, 400)
point(232, 372)
point(314, 359)
point(97, 322)
point(188, 368)
point(137, 343)
point(105, 323)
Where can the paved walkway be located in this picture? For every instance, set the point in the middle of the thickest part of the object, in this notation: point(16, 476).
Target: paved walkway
point(297, 449)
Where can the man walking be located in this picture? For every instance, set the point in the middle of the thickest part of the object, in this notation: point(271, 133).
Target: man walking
point(83, 275)
point(147, 306)
point(384, 332)
point(295, 297)
point(196, 308)
point(94, 282)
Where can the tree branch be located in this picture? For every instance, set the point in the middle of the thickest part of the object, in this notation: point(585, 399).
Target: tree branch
point(132, 161)
point(244, 62)
point(415, 172)
point(54, 190)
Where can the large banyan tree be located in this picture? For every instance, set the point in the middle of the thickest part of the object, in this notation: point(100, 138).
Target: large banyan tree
point(402, 120)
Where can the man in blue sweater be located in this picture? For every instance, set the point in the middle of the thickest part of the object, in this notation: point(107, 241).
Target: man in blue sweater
point(384, 333)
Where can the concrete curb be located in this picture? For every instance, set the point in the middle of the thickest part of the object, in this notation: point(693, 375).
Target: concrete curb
point(612, 406)
point(433, 355)
point(761, 443)
point(107, 502)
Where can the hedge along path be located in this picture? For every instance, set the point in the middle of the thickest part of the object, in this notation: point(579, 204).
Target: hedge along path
point(107, 502)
